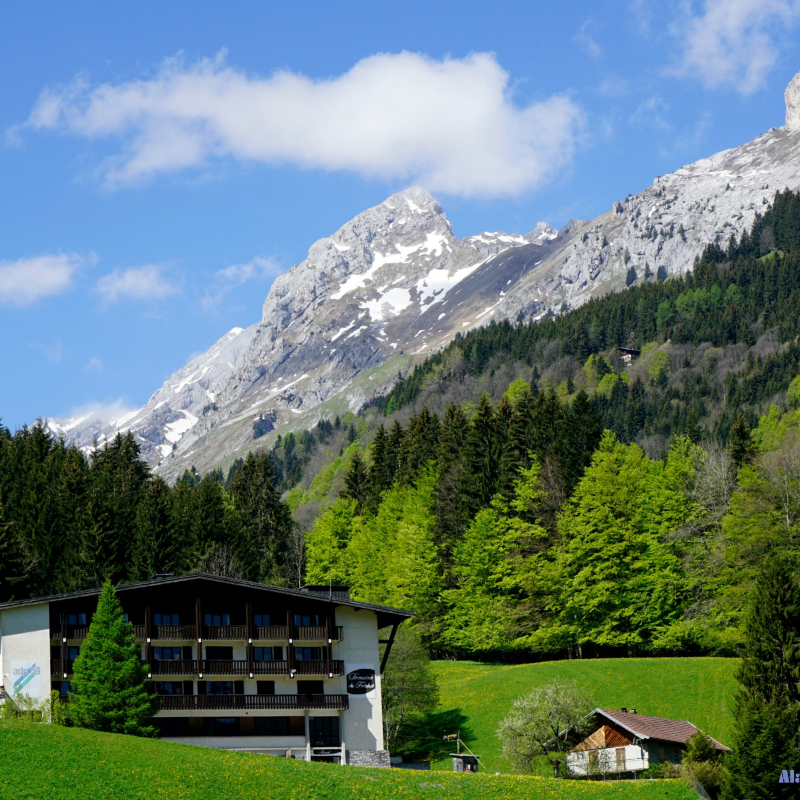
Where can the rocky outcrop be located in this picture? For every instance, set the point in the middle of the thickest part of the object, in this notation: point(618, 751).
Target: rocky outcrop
point(792, 98)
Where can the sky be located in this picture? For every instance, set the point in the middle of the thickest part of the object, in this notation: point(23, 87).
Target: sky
point(161, 163)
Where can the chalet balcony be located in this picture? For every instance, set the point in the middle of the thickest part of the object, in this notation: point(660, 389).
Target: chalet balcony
point(255, 702)
point(269, 633)
point(316, 633)
point(225, 667)
point(318, 667)
point(176, 667)
point(230, 633)
point(168, 633)
point(60, 668)
point(72, 633)
point(270, 668)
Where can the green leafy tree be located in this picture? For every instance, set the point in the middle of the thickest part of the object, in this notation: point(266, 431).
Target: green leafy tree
point(109, 678)
point(767, 705)
point(409, 690)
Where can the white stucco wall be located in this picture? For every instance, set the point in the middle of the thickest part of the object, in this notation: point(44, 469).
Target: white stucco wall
point(362, 723)
point(25, 639)
point(636, 759)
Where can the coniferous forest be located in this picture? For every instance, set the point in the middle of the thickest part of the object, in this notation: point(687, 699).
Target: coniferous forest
point(524, 491)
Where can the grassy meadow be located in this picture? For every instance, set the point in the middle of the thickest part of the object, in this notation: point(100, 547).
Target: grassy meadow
point(45, 761)
point(475, 696)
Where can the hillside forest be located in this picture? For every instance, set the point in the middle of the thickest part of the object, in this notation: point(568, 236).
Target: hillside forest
point(524, 491)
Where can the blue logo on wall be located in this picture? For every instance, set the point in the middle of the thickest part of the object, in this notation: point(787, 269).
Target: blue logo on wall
point(789, 776)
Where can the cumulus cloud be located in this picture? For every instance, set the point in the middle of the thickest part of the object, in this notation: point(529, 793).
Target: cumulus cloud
point(451, 125)
point(27, 280)
point(135, 283)
point(227, 279)
point(733, 42)
point(115, 412)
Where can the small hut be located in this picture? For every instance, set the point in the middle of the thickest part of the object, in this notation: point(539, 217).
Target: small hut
point(464, 762)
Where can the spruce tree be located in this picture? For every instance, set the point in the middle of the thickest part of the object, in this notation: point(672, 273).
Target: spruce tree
point(109, 691)
point(741, 445)
point(380, 474)
point(155, 548)
point(767, 706)
point(356, 482)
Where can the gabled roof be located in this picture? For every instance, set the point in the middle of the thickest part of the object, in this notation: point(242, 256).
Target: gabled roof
point(386, 614)
point(656, 728)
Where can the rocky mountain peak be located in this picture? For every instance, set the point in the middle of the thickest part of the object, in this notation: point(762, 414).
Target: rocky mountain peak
point(792, 98)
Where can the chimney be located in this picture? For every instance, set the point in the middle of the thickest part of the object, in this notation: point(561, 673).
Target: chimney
point(624, 710)
point(633, 711)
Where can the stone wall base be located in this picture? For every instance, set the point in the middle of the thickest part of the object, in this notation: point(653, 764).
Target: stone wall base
point(368, 758)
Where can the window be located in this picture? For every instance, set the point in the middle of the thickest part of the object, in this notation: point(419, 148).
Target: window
point(167, 653)
point(310, 687)
point(262, 620)
point(166, 619)
point(272, 726)
point(620, 753)
point(324, 731)
point(64, 688)
point(308, 653)
point(72, 653)
point(171, 726)
point(221, 726)
point(73, 619)
point(174, 687)
point(217, 653)
point(265, 687)
point(219, 687)
point(306, 620)
point(269, 654)
point(218, 619)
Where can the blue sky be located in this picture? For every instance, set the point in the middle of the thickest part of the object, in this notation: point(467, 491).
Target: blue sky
point(162, 162)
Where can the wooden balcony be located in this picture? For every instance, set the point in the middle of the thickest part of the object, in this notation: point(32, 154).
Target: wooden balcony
point(318, 667)
point(231, 633)
point(255, 702)
point(270, 668)
point(73, 633)
point(269, 633)
point(58, 667)
point(173, 667)
point(316, 633)
point(224, 667)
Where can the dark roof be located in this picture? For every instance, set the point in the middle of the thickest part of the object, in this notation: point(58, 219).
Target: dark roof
point(386, 614)
point(658, 728)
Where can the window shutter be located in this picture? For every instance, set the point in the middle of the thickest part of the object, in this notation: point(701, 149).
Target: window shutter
point(201, 687)
point(188, 687)
point(187, 652)
point(238, 687)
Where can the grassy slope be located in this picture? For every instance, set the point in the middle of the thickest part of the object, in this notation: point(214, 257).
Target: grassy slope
point(696, 689)
point(43, 761)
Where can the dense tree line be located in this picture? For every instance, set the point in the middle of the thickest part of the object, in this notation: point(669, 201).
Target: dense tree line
point(68, 522)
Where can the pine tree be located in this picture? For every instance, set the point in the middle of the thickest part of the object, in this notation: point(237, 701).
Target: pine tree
point(264, 520)
point(482, 455)
point(155, 548)
point(356, 482)
point(380, 474)
point(109, 678)
point(767, 706)
point(741, 445)
point(12, 575)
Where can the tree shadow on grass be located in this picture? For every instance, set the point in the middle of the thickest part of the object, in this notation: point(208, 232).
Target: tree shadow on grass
point(422, 738)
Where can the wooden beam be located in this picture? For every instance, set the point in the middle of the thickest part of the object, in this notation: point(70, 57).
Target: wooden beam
point(389, 643)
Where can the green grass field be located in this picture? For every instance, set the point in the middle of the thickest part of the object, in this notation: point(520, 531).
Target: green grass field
point(477, 696)
point(45, 761)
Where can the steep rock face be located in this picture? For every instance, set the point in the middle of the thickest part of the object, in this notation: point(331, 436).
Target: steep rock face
point(395, 280)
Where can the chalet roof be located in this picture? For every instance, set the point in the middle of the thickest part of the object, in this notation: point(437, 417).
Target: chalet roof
point(386, 614)
point(657, 728)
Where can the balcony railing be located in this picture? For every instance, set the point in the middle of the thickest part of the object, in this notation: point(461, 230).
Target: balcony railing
point(224, 632)
point(316, 633)
point(269, 633)
point(318, 667)
point(258, 702)
point(72, 633)
point(176, 667)
point(224, 667)
point(270, 668)
point(58, 667)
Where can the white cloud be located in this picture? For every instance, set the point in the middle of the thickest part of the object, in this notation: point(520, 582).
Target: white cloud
point(584, 38)
point(257, 269)
point(95, 365)
point(650, 114)
point(52, 352)
point(451, 125)
point(26, 280)
point(135, 283)
point(733, 42)
point(114, 411)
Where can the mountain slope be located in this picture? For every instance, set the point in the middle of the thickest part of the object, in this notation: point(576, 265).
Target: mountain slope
point(395, 280)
